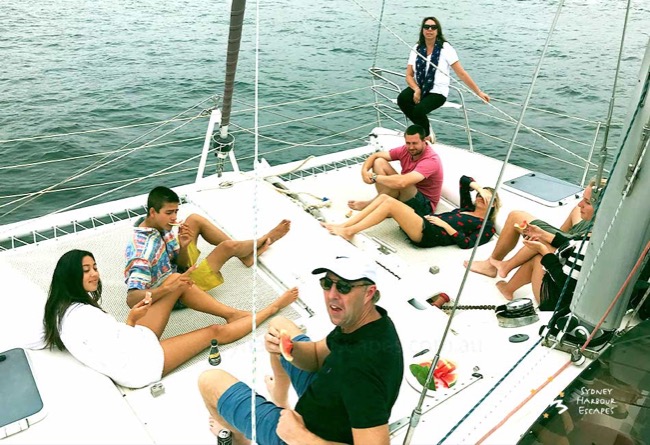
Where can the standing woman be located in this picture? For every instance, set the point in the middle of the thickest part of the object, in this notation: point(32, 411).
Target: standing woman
point(130, 353)
point(427, 74)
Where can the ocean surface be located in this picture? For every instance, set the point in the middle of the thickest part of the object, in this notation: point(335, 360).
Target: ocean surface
point(72, 66)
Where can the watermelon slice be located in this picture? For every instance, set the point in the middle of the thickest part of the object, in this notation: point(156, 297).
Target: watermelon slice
point(522, 227)
point(286, 346)
point(443, 375)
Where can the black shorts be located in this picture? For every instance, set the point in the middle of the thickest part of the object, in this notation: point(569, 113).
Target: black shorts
point(420, 204)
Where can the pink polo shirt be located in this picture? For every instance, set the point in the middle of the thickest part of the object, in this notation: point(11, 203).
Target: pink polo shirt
point(428, 165)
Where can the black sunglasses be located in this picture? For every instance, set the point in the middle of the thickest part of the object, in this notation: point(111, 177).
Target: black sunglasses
point(343, 287)
point(432, 27)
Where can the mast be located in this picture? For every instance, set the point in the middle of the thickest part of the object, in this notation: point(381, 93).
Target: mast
point(234, 41)
point(622, 226)
point(223, 142)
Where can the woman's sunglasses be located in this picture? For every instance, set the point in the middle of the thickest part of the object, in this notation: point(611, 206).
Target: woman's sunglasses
point(431, 27)
point(343, 287)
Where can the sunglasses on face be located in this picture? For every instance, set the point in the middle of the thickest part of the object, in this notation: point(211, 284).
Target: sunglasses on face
point(343, 287)
point(431, 27)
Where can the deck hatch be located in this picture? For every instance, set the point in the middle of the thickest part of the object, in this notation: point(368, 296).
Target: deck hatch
point(543, 189)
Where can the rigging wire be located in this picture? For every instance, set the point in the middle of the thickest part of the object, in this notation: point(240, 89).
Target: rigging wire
point(97, 130)
point(603, 150)
point(113, 190)
point(465, 87)
point(98, 164)
point(578, 292)
point(415, 417)
point(94, 155)
point(582, 348)
point(256, 190)
point(374, 60)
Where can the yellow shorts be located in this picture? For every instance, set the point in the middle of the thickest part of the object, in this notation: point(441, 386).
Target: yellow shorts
point(203, 276)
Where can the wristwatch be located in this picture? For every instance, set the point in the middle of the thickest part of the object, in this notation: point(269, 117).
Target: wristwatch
point(373, 178)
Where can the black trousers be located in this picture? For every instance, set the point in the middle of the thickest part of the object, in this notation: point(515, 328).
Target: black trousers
point(417, 113)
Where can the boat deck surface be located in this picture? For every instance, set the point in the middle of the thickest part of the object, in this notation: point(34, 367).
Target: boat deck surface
point(86, 407)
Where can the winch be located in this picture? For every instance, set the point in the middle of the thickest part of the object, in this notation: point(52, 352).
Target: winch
point(519, 312)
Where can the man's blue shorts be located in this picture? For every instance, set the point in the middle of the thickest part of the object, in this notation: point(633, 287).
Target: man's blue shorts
point(235, 404)
point(420, 204)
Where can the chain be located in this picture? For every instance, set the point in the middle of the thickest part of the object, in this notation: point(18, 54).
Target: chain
point(488, 307)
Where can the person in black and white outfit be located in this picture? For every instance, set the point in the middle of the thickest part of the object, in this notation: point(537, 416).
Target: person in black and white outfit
point(427, 74)
point(565, 264)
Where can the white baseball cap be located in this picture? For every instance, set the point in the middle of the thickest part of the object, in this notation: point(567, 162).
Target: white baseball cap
point(350, 268)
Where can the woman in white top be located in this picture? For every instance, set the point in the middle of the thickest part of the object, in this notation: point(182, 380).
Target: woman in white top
point(131, 354)
point(427, 74)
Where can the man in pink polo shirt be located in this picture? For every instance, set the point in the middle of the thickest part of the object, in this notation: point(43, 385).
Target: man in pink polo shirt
point(420, 181)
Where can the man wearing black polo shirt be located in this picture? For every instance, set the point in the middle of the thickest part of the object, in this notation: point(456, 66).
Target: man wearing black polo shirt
point(347, 382)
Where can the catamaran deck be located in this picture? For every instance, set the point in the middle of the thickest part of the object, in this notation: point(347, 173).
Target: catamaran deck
point(86, 407)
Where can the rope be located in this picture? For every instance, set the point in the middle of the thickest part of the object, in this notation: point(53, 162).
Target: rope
point(374, 60)
point(584, 346)
point(297, 101)
point(497, 384)
point(100, 184)
point(305, 144)
point(555, 113)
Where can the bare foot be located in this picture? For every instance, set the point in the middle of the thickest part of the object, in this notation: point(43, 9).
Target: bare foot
point(279, 397)
point(284, 300)
point(328, 226)
point(503, 288)
point(358, 205)
point(484, 267)
point(279, 231)
point(343, 232)
point(501, 267)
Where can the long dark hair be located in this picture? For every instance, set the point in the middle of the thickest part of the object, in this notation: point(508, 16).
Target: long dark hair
point(440, 37)
point(66, 289)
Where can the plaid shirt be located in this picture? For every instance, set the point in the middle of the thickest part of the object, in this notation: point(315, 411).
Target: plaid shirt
point(150, 257)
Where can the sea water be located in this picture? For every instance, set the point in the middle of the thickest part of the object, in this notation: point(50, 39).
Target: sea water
point(72, 66)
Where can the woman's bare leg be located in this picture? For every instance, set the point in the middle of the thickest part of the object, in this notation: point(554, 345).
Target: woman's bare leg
point(538, 275)
point(360, 216)
point(505, 243)
point(201, 301)
point(506, 266)
point(521, 278)
point(160, 309)
point(181, 348)
point(242, 326)
point(404, 215)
